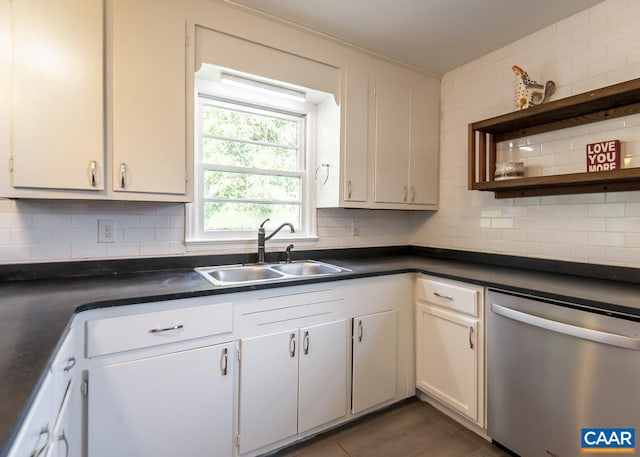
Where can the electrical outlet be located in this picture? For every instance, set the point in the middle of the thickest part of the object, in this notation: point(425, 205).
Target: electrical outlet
point(355, 228)
point(106, 231)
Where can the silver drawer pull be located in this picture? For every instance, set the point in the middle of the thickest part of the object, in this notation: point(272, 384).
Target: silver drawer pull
point(292, 345)
point(305, 345)
point(45, 444)
point(445, 297)
point(224, 362)
point(71, 362)
point(166, 329)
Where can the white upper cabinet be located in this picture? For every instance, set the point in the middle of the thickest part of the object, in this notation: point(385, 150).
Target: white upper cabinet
point(148, 92)
point(354, 137)
point(404, 124)
point(389, 140)
point(57, 135)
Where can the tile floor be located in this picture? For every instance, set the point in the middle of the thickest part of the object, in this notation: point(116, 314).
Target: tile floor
point(413, 429)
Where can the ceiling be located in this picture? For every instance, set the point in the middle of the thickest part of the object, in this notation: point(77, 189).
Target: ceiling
point(435, 35)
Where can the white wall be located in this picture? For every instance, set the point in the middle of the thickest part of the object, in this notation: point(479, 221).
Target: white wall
point(595, 48)
point(43, 230)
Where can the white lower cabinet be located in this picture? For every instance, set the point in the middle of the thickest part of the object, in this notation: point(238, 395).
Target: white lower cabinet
point(66, 440)
point(34, 438)
point(291, 382)
point(175, 404)
point(234, 374)
point(374, 360)
point(449, 345)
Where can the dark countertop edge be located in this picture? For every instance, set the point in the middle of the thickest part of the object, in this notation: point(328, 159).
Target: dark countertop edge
point(582, 303)
point(75, 269)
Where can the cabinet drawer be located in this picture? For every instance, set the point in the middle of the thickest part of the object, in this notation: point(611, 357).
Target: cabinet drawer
point(116, 334)
point(456, 296)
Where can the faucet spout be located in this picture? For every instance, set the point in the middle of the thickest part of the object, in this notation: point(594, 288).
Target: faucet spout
point(262, 238)
point(286, 224)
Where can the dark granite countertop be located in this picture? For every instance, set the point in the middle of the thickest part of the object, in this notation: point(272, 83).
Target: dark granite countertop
point(34, 314)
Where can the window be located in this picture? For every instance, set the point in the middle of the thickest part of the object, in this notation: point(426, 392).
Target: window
point(253, 152)
point(252, 166)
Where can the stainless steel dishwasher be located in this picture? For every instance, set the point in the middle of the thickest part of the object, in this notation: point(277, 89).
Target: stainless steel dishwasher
point(554, 368)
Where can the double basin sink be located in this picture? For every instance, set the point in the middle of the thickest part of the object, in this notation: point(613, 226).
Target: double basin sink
point(227, 275)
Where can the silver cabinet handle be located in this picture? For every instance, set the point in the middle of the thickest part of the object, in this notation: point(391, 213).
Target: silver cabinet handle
point(94, 173)
point(360, 331)
point(470, 337)
point(224, 361)
point(413, 193)
point(349, 189)
point(166, 329)
point(568, 329)
point(71, 362)
point(305, 343)
point(446, 297)
point(292, 345)
point(63, 438)
point(45, 445)
point(123, 175)
point(406, 193)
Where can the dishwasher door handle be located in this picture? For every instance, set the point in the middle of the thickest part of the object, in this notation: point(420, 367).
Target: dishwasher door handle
point(568, 329)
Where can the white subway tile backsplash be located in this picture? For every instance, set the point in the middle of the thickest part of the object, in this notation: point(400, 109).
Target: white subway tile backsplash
point(632, 240)
point(592, 49)
point(9, 220)
point(502, 223)
point(169, 234)
point(606, 239)
point(52, 220)
point(139, 234)
point(15, 253)
point(123, 250)
point(31, 236)
point(606, 210)
point(75, 235)
point(5, 236)
point(88, 251)
point(623, 225)
point(154, 220)
point(50, 252)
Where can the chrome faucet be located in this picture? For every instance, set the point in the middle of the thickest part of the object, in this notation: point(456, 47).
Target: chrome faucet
point(262, 238)
point(287, 254)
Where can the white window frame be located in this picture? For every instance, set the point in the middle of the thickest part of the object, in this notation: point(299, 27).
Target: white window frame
point(199, 239)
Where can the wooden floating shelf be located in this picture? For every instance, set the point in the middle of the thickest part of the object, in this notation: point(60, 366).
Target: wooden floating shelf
point(608, 103)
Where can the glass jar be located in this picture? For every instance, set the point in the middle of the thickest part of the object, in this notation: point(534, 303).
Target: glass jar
point(508, 170)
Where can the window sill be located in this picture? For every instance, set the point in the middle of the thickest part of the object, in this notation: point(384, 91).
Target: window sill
point(242, 244)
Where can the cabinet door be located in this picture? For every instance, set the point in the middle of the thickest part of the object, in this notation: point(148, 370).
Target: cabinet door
point(374, 360)
point(268, 389)
point(322, 384)
point(447, 358)
point(174, 404)
point(148, 91)
point(58, 94)
point(34, 437)
point(355, 136)
point(67, 433)
point(425, 142)
point(392, 145)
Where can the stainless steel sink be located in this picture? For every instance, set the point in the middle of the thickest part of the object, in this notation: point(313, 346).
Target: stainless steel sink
point(226, 275)
point(244, 274)
point(306, 268)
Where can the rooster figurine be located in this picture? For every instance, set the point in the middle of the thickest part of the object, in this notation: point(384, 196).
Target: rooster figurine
point(529, 92)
